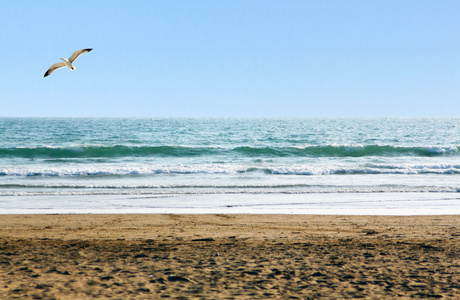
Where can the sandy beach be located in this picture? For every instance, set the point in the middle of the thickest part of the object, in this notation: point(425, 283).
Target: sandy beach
point(150, 256)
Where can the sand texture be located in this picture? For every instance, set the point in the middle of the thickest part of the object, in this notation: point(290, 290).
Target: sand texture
point(228, 257)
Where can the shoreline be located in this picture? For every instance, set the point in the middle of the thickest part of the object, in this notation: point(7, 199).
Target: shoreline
point(232, 256)
point(384, 204)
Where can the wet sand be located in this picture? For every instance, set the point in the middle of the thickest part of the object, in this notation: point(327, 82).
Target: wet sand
point(148, 256)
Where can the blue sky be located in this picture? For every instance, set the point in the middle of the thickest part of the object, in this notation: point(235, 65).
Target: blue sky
point(231, 58)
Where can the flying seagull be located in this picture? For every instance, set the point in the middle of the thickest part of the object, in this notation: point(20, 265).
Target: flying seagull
point(67, 62)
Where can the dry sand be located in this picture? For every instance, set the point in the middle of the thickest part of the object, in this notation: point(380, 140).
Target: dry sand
point(228, 257)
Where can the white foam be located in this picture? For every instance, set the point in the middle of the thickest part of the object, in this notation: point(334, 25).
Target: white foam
point(128, 169)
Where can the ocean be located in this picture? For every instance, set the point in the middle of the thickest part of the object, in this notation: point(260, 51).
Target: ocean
point(389, 166)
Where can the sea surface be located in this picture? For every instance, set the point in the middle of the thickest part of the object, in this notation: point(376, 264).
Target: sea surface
point(268, 165)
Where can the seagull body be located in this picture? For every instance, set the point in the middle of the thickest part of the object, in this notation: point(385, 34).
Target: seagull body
point(67, 62)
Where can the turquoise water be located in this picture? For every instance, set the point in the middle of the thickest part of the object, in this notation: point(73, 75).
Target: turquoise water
point(54, 160)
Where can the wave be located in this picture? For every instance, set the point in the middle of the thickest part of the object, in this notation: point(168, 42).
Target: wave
point(349, 151)
point(103, 151)
point(50, 152)
point(213, 169)
point(167, 191)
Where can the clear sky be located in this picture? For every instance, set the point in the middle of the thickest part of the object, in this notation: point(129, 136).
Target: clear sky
point(290, 58)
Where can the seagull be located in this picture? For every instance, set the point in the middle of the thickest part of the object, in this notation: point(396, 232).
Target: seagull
point(67, 62)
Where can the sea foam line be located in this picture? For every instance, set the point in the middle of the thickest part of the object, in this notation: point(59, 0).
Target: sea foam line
point(271, 169)
point(175, 191)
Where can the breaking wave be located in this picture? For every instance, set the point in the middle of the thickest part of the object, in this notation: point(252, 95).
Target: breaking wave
point(149, 170)
point(182, 151)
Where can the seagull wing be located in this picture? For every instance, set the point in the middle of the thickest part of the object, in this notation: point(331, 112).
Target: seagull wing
point(77, 54)
point(54, 68)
